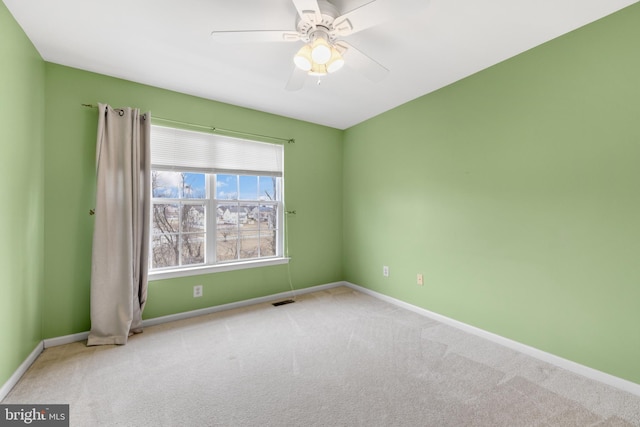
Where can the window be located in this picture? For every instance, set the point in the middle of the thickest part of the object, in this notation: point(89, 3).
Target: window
point(247, 212)
point(178, 218)
point(216, 202)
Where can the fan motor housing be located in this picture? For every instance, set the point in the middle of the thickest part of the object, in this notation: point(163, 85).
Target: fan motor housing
point(308, 24)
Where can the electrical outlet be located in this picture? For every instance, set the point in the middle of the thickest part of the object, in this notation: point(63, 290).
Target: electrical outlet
point(197, 291)
point(385, 271)
point(420, 279)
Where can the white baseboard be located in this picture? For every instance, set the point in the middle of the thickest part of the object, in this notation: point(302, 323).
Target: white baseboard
point(13, 380)
point(67, 339)
point(560, 362)
point(239, 304)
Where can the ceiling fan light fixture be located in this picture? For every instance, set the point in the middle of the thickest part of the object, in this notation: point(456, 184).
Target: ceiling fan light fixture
point(302, 59)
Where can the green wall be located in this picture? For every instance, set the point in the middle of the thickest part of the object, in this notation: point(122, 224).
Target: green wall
point(313, 182)
point(22, 79)
point(516, 193)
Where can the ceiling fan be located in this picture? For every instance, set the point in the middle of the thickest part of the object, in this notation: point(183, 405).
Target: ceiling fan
point(322, 28)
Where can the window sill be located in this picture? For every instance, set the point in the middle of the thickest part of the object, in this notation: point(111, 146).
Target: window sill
point(218, 268)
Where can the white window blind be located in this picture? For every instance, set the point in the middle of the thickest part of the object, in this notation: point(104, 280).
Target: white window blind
point(186, 150)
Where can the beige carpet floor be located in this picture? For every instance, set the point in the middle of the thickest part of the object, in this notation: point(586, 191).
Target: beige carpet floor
point(332, 358)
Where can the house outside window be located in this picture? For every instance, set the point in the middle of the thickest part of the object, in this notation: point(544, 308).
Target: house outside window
point(216, 203)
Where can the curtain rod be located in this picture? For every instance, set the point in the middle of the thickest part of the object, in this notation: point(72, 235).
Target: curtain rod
point(213, 128)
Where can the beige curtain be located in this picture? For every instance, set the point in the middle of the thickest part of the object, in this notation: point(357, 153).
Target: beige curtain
point(121, 231)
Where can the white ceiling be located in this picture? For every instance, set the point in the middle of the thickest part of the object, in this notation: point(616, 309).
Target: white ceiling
point(427, 44)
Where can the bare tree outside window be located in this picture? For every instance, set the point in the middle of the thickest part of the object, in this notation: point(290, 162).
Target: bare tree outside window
point(179, 220)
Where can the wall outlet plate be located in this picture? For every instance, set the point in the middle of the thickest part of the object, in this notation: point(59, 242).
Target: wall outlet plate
point(385, 271)
point(197, 291)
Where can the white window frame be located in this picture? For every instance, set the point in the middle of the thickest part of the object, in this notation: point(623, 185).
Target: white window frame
point(210, 264)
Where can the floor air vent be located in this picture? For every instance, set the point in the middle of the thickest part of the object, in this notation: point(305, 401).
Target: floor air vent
point(287, 301)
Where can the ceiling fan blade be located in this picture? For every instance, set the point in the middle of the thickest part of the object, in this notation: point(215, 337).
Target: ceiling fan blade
point(250, 36)
point(370, 68)
point(297, 79)
point(308, 10)
point(365, 16)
